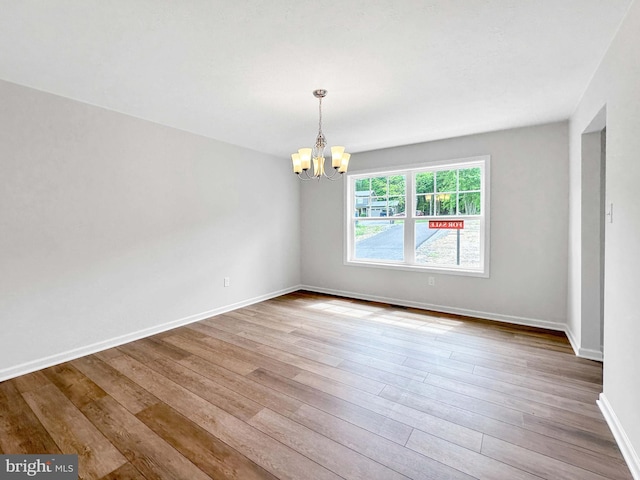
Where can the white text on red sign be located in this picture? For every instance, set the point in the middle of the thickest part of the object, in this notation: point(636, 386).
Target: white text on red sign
point(450, 224)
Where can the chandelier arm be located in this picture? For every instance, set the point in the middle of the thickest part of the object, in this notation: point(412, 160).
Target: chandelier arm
point(304, 176)
point(334, 176)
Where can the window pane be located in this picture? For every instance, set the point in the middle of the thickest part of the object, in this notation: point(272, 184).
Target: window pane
point(448, 248)
point(396, 185)
point(361, 205)
point(379, 186)
point(445, 204)
point(380, 196)
point(470, 179)
point(469, 203)
point(424, 182)
point(447, 181)
point(396, 206)
point(378, 207)
point(424, 205)
point(363, 185)
point(379, 240)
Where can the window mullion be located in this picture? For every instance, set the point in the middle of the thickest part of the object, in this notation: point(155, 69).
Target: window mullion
point(410, 223)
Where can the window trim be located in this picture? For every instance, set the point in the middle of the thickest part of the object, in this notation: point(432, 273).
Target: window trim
point(410, 171)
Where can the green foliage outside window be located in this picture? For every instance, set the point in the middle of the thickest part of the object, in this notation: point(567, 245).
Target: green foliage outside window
point(449, 192)
point(388, 190)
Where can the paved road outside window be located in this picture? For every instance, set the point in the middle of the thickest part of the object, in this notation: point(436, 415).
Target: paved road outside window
point(389, 244)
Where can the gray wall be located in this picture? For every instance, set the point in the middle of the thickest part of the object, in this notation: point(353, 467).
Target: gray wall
point(529, 213)
point(616, 88)
point(113, 227)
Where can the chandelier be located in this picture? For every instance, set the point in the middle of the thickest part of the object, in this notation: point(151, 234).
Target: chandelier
point(302, 160)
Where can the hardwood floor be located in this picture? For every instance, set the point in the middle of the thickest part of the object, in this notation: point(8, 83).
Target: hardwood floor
point(309, 386)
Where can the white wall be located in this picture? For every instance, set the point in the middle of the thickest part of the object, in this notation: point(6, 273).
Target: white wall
point(616, 86)
point(112, 227)
point(529, 214)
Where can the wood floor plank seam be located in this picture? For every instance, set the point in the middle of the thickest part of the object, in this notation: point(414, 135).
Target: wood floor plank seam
point(584, 439)
point(504, 427)
point(203, 414)
point(196, 392)
point(303, 363)
point(308, 386)
point(518, 402)
point(375, 459)
point(382, 473)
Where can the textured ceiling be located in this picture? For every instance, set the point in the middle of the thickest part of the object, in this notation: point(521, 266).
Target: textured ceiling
point(397, 71)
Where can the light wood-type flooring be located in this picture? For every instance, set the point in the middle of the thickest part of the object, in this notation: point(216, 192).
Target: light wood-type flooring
point(313, 387)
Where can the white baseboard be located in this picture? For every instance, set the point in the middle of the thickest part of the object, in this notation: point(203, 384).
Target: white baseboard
point(39, 364)
point(590, 354)
point(628, 452)
point(529, 322)
point(45, 362)
point(572, 340)
point(587, 353)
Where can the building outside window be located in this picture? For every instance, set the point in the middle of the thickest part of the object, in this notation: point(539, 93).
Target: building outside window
point(431, 217)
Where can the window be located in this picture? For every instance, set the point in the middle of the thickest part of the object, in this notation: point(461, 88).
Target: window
point(433, 216)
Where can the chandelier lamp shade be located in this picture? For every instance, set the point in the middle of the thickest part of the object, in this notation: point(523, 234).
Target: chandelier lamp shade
point(305, 157)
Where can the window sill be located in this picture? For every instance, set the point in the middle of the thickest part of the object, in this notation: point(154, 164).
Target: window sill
point(419, 268)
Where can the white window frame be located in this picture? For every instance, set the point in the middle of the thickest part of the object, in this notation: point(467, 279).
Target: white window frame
point(411, 218)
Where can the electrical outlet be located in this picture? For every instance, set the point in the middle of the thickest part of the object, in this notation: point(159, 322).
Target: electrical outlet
point(227, 281)
point(432, 281)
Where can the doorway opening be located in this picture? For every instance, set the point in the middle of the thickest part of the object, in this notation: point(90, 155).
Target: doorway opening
point(594, 215)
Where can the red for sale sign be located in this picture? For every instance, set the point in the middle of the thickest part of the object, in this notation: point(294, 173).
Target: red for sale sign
point(447, 224)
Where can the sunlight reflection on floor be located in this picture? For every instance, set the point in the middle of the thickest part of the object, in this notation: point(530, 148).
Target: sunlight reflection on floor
point(411, 320)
